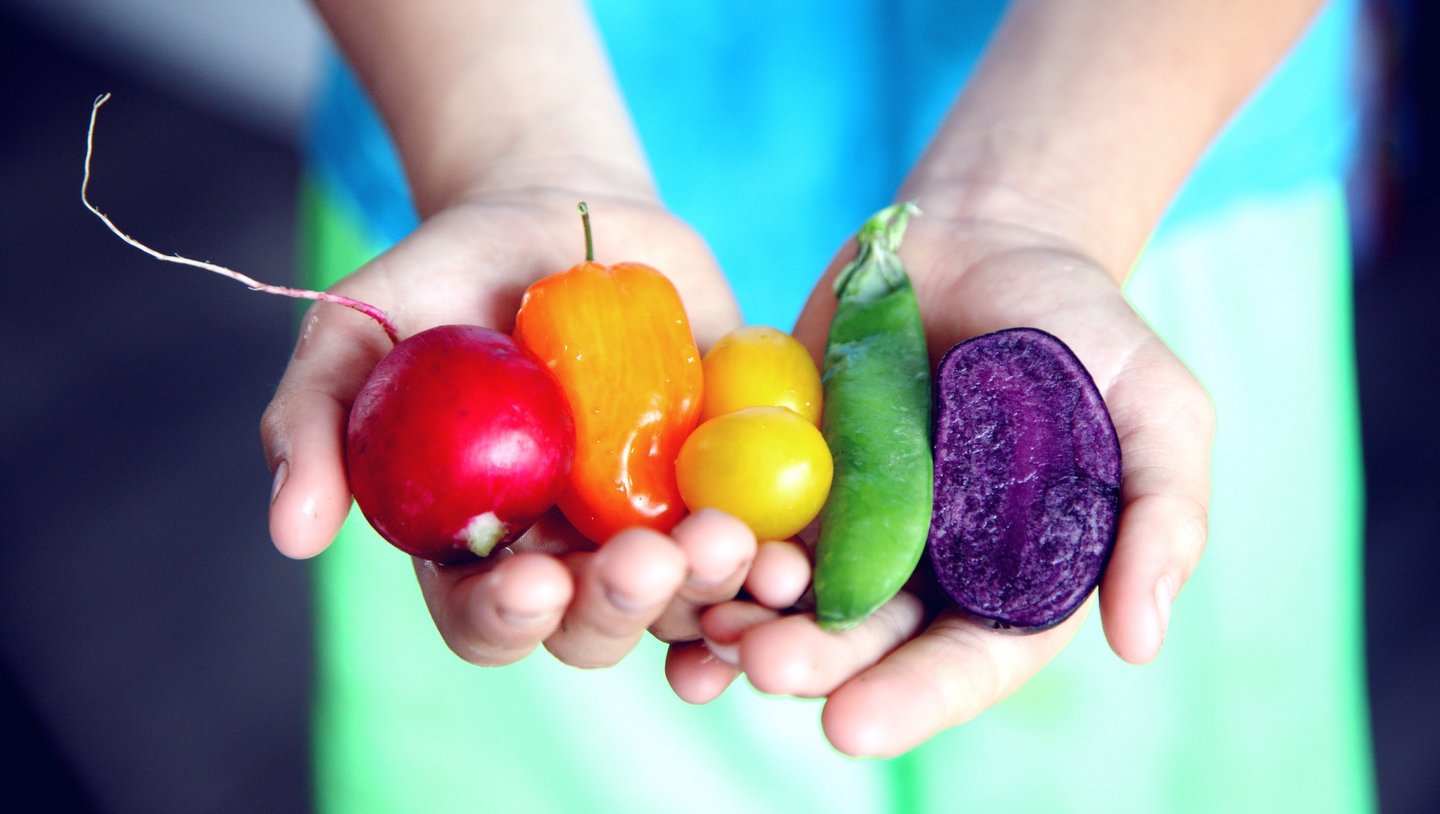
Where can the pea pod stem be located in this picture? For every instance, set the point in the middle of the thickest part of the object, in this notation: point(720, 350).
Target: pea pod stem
point(877, 422)
point(876, 269)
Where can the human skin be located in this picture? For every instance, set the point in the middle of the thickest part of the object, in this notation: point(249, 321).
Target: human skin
point(506, 116)
point(1038, 191)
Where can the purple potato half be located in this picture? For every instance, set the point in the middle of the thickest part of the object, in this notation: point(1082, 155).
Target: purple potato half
point(1027, 480)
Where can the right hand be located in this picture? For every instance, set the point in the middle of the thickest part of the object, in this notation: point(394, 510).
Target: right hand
point(470, 264)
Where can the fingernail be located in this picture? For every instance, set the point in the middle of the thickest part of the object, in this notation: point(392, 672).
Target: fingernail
point(523, 619)
point(1164, 598)
point(626, 603)
point(728, 654)
point(282, 471)
point(695, 580)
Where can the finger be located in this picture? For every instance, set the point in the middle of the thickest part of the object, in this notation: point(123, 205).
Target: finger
point(780, 574)
point(1159, 543)
point(718, 549)
point(303, 427)
point(695, 674)
point(944, 677)
point(725, 624)
point(620, 590)
point(1166, 430)
point(794, 656)
point(496, 611)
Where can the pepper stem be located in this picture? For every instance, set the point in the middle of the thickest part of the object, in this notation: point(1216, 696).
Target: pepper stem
point(589, 238)
point(876, 269)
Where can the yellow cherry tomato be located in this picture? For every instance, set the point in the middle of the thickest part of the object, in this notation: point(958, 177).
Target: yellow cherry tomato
point(758, 366)
point(766, 466)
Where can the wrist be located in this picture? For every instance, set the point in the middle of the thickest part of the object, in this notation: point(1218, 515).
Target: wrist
point(582, 142)
point(492, 96)
point(542, 171)
point(997, 216)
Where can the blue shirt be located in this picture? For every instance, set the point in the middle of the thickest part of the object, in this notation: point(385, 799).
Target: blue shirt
point(775, 128)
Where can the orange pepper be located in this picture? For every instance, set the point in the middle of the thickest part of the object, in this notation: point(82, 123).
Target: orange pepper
point(618, 339)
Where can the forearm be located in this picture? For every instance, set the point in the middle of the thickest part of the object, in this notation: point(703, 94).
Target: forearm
point(1084, 118)
point(492, 95)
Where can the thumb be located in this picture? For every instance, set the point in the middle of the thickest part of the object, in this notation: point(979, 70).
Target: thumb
point(303, 427)
point(1166, 423)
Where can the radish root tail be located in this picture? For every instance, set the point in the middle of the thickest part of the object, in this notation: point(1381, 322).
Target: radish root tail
point(254, 285)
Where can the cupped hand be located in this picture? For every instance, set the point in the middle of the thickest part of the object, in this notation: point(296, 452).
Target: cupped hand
point(470, 264)
point(915, 667)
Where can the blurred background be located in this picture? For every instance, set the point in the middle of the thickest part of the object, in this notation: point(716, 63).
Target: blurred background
point(154, 649)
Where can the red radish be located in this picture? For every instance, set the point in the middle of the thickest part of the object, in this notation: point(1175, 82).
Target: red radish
point(458, 440)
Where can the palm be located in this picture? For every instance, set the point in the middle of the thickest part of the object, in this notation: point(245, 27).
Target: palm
point(926, 668)
point(471, 264)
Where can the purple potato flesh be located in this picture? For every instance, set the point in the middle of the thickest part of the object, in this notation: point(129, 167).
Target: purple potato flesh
point(1027, 480)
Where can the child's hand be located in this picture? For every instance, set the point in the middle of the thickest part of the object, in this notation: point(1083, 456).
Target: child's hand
point(914, 669)
point(699, 670)
point(588, 606)
point(470, 264)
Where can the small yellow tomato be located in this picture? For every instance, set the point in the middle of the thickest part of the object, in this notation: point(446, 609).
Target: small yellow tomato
point(759, 366)
point(766, 466)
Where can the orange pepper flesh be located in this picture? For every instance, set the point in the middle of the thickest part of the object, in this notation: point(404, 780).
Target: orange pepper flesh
point(618, 339)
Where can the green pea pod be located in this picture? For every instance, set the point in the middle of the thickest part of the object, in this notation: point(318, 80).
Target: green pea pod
point(877, 423)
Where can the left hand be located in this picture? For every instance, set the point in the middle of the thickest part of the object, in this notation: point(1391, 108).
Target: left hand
point(915, 667)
